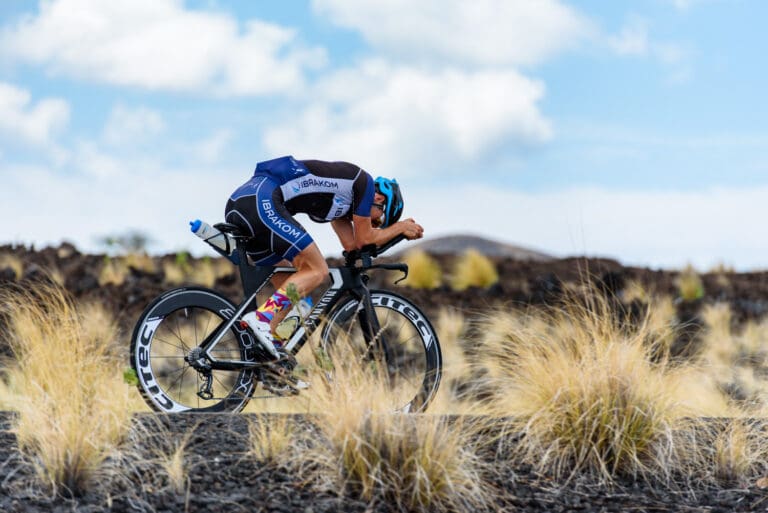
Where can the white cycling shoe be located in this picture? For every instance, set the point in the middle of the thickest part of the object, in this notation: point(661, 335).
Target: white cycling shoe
point(263, 332)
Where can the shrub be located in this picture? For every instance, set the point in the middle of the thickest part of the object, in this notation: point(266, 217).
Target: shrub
point(204, 271)
point(689, 284)
point(114, 270)
point(10, 261)
point(473, 269)
point(423, 271)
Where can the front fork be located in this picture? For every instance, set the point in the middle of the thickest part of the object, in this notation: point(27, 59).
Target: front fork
point(372, 331)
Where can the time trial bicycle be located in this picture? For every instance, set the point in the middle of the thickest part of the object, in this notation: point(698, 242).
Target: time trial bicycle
point(191, 353)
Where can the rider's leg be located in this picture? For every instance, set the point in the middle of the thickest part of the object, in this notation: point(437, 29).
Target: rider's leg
point(311, 270)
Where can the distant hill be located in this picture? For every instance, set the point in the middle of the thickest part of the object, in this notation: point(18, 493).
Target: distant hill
point(457, 244)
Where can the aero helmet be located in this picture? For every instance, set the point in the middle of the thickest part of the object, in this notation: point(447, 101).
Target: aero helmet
point(393, 206)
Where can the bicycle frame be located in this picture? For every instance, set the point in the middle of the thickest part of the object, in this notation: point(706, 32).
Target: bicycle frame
point(344, 280)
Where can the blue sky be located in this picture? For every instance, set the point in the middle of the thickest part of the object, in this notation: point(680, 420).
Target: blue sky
point(633, 130)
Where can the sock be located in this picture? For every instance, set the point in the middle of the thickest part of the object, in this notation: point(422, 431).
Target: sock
point(277, 303)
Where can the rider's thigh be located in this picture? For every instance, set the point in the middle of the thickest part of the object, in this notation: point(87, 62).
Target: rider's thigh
point(311, 266)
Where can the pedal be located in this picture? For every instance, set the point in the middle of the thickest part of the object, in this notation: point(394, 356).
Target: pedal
point(278, 378)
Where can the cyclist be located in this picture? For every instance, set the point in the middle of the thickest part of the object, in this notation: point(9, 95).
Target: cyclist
point(361, 211)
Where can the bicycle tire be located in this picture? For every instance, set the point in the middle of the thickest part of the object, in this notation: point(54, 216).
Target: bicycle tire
point(407, 338)
point(169, 327)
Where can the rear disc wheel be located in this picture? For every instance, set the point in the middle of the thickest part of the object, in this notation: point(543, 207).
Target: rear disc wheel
point(168, 332)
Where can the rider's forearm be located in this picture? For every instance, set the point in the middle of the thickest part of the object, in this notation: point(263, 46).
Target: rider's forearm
point(379, 236)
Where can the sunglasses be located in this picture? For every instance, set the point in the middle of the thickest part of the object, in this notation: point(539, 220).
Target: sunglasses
point(379, 206)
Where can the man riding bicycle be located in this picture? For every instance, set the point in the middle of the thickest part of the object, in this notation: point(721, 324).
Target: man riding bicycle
point(361, 211)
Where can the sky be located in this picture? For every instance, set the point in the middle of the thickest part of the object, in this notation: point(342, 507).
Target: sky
point(631, 130)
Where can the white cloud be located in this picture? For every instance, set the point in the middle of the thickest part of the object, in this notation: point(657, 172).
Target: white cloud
point(410, 120)
point(92, 162)
point(632, 40)
point(212, 148)
point(158, 44)
point(31, 123)
point(685, 5)
point(129, 125)
point(491, 32)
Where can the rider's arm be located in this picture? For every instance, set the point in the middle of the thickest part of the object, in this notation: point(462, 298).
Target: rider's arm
point(365, 233)
point(345, 232)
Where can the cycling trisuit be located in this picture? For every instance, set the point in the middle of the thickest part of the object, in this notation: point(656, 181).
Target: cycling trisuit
point(264, 206)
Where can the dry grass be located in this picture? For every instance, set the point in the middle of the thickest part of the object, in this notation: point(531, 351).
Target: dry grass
point(736, 359)
point(423, 271)
point(413, 461)
point(451, 327)
point(592, 395)
point(723, 453)
point(473, 269)
point(272, 438)
point(740, 453)
point(172, 461)
point(66, 377)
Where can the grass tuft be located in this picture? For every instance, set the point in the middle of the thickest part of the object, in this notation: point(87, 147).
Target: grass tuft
point(172, 461)
point(724, 453)
point(413, 461)
point(66, 387)
point(591, 394)
point(271, 437)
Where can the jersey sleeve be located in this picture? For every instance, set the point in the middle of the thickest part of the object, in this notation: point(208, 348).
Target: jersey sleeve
point(362, 194)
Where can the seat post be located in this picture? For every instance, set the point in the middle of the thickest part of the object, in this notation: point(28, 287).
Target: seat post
point(253, 277)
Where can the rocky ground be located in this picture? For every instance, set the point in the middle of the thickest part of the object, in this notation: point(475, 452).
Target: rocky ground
point(224, 478)
point(221, 476)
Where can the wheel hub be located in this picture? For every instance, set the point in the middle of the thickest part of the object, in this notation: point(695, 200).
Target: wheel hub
point(197, 360)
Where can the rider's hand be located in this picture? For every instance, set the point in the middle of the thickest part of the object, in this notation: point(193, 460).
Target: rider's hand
point(411, 229)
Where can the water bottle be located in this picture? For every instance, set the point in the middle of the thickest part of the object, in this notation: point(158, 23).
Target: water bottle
point(221, 242)
point(292, 321)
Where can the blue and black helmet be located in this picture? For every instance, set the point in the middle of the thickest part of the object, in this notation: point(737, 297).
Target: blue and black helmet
point(393, 206)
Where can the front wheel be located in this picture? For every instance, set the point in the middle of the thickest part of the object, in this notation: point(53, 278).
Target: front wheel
point(170, 328)
point(398, 339)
